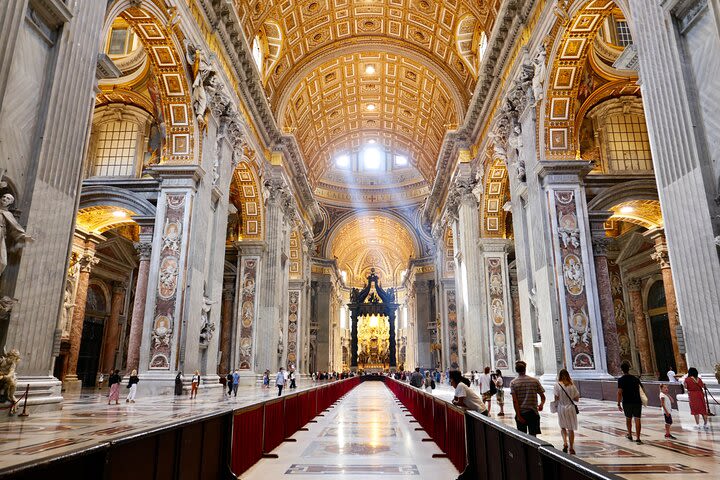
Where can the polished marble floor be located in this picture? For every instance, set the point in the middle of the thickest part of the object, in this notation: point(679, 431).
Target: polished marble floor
point(600, 440)
point(365, 436)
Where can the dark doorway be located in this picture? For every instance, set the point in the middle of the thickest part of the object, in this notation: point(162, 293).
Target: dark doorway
point(90, 347)
point(660, 327)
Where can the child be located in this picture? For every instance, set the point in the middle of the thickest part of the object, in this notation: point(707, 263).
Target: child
point(666, 404)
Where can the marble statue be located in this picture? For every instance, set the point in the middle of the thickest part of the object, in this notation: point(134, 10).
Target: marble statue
point(12, 235)
point(8, 379)
point(207, 327)
point(281, 346)
point(538, 81)
point(68, 304)
point(201, 70)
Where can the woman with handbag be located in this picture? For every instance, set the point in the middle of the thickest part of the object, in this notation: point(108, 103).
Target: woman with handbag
point(566, 394)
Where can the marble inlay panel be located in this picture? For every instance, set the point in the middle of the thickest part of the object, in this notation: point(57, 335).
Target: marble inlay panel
point(352, 469)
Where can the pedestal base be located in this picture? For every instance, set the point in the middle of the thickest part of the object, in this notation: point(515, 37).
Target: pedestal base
point(72, 385)
point(44, 395)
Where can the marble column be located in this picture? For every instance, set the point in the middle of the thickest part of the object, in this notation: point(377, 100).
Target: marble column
point(661, 256)
point(87, 261)
point(516, 320)
point(674, 41)
point(607, 307)
point(112, 328)
point(642, 337)
point(226, 321)
point(576, 287)
point(497, 299)
point(424, 316)
point(138, 313)
point(463, 212)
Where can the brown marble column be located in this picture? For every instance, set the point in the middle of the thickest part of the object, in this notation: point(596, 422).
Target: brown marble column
point(138, 314)
point(226, 314)
point(662, 257)
point(86, 261)
point(112, 328)
point(607, 308)
point(642, 338)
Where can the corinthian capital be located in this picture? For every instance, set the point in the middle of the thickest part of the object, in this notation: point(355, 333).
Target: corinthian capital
point(143, 249)
point(87, 261)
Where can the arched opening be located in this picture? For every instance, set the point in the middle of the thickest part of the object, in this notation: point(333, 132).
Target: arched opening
point(97, 314)
point(660, 328)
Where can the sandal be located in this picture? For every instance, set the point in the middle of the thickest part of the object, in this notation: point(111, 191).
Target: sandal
point(565, 449)
point(572, 451)
point(629, 437)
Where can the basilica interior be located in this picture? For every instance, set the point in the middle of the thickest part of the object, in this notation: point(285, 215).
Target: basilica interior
point(361, 186)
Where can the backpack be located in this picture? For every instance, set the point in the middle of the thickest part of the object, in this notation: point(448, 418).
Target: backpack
point(493, 388)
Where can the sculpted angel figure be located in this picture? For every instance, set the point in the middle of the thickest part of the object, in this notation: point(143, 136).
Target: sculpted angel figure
point(8, 380)
point(201, 70)
point(538, 80)
point(12, 235)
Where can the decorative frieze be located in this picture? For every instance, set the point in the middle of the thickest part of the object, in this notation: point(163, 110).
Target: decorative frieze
point(248, 311)
point(292, 325)
point(452, 321)
point(498, 311)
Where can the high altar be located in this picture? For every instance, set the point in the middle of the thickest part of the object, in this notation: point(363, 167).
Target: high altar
point(372, 317)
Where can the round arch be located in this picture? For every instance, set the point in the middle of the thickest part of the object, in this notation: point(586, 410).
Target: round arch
point(105, 195)
point(163, 40)
point(246, 195)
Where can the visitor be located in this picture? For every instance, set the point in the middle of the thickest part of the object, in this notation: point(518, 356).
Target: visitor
point(566, 394)
point(465, 396)
point(487, 387)
point(235, 382)
point(266, 379)
point(672, 376)
point(438, 376)
point(696, 395)
point(179, 384)
point(666, 405)
point(500, 394)
point(629, 401)
point(280, 380)
point(429, 382)
point(114, 384)
point(229, 383)
point(194, 383)
point(132, 385)
point(416, 379)
point(291, 376)
point(525, 391)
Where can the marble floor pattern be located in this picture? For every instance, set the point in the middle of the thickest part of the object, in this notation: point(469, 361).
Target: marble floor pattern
point(600, 440)
point(365, 436)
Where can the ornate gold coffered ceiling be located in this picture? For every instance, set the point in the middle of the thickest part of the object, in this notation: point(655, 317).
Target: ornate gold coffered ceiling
point(424, 73)
point(373, 240)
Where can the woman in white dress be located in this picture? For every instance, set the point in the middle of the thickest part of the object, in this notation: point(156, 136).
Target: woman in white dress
point(566, 394)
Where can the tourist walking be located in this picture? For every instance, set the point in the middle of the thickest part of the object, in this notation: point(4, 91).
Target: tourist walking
point(666, 405)
point(235, 382)
point(525, 391)
point(266, 379)
point(465, 396)
point(416, 379)
point(429, 382)
point(179, 384)
point(629, 401)
point(114, 384)
point(500, 394)
point(194, 384)
point(672, 376)
point(487, 387)
point(229, 383)
point(566, 394)
point(280, 381)
point(291, 376)
point(696, 394)
point(132, 385)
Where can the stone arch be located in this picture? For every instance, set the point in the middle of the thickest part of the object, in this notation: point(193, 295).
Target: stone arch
point(623, 192)
point(105, 195)
point(577, 29)
point(246, 195)
point(162, 39)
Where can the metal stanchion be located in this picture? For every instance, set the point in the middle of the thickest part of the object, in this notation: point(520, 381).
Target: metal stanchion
point(24, 412)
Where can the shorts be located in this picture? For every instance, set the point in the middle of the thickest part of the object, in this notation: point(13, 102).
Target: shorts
point(632, 410)
point(532, 422)
point(668, 419)
point(500, 397)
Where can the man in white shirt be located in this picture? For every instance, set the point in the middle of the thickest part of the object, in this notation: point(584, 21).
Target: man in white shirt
point(672, 376)
point(465, 396)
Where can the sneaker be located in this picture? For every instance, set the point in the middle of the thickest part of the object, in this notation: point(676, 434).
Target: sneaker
point(629, 437)
point(706, 427)
point(671, 437)
point(639, 442)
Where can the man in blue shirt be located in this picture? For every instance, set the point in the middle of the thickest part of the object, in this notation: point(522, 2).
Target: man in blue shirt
point(235, 381)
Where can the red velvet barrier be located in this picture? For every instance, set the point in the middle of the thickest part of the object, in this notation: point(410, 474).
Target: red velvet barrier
point(274, 427)
point(306, 408)
point(455, 437)
point(247, 433)
point(439, 426)
point(313, 403)
point(292, 415)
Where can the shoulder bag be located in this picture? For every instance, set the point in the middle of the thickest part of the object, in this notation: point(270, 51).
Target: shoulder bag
point(643, 395)
point(577, 410)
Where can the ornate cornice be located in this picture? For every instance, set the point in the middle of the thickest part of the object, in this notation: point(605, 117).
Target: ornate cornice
point(224, 20)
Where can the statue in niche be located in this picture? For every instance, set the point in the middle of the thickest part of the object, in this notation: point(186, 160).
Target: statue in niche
point(8, 379)
point(68, 304)
point(207, 327)
point(540, 70)
point(12, 235)
point(281, 344)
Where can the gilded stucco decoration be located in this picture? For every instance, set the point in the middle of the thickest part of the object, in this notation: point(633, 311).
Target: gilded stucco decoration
point(497, 193)
point(246, 195)
point(579, 67)
point(373, 240)
point(171, 92)
point(645, 213)
point(100, 219)
point(296, 261)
